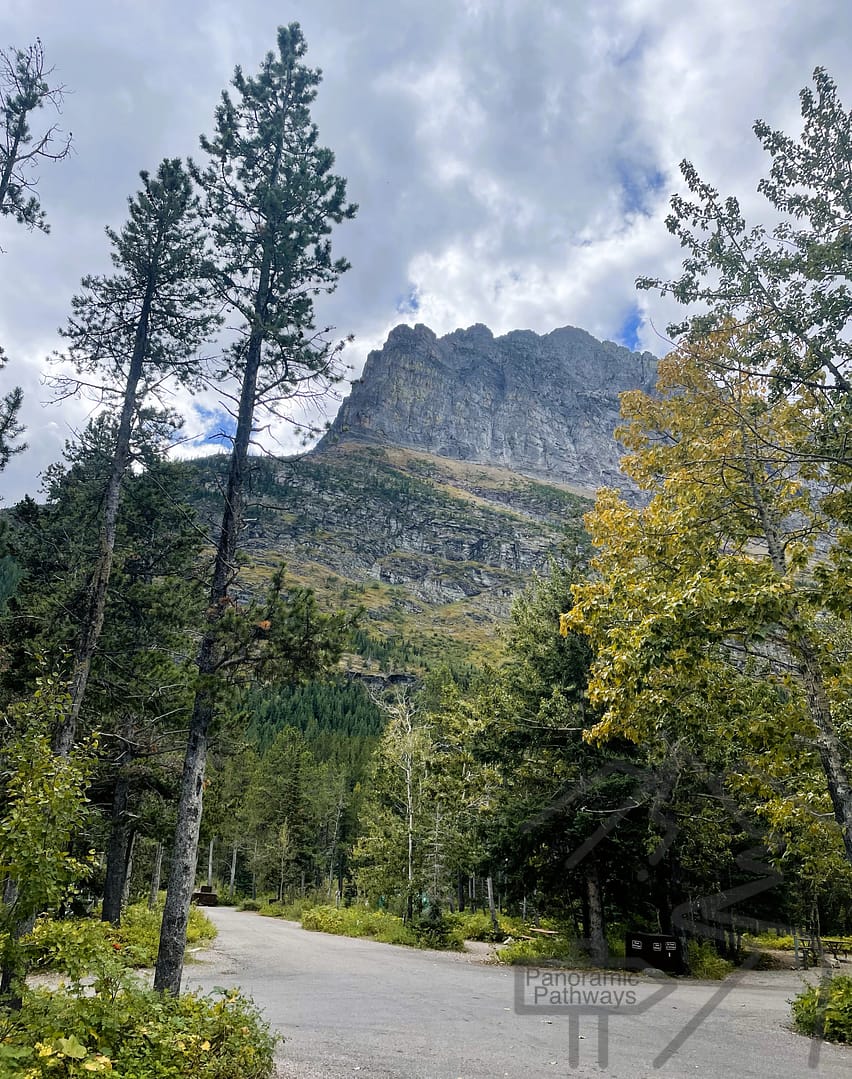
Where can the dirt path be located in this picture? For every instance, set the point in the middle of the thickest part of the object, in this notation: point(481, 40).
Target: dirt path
point(356, 1008)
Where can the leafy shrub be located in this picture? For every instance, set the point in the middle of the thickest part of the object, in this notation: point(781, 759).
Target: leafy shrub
point(825, 1010)
point(436, 930)
point(250, 904)
point(75, 945)
point(133, 1033)
point(360, 922)
point(705, 962)
point(477, 925)
point(292, 911)
point(769, 940)
point(545, 949)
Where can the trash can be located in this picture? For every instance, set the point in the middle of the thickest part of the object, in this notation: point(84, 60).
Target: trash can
point(661, 950)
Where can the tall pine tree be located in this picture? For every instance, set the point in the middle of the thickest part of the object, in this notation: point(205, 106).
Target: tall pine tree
point(271, 199)
point(134, 330)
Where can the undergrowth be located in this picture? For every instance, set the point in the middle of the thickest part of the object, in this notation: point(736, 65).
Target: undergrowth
point(134, 1033)
point(705, 962)
point(825, 1010)
point(104, 1021)
point(70, 944)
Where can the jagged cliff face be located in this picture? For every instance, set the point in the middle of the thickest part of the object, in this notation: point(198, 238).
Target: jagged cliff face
point(545, 406)
point(449, 477)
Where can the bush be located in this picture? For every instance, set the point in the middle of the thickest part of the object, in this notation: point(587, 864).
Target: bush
point(825, 1010)
point(75, 945)
point(436, 930)
point(292, 911)
point(705, 962)
point(133, 1033)
point(477, 925)
point(557, 950)
point(768, 940)
point(359, 922)
point(250, 904)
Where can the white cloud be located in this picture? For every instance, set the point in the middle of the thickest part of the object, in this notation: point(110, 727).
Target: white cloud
point(512, 161)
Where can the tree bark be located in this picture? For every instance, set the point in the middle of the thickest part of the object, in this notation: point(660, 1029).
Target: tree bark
point(598, 949)
point(490, 889)
point(154, 892)
point(233, 877)
point(97, 594)
point(184, 860)
point(128, 869)
point(117, 853)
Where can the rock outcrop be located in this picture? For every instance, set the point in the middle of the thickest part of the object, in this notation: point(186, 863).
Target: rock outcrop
point(544, 406)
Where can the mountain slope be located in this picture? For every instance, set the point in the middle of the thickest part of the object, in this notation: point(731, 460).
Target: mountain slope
point(455, 469)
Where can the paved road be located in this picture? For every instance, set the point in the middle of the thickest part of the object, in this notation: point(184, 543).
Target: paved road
point(355, 1008)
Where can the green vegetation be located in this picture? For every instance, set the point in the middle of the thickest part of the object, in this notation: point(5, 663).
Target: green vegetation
point(360, 922)
point(78, 944)
point(657, 740)
point(825, 1010)
point(102, 1020)
point(705, 962)
point(131, 1033)
point(542, 951)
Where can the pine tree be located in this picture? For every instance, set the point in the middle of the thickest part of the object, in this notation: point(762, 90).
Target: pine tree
point(135, 329)
point(24, 88)
point(141, 677)
point(270, 199)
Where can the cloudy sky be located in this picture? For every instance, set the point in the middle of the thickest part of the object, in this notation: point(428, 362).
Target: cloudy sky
point(512, 159)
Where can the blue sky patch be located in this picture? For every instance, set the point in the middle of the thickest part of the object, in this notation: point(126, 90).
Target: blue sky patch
point(638, 187)
point(409, 304)
point(220, 426)
point(628, 332)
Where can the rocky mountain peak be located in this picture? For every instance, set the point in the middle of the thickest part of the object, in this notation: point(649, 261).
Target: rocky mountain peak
point(542, 405)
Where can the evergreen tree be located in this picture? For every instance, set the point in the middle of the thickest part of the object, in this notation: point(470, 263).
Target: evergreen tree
point(270, 200)
point(142, 675)
point(135, 329)
point(24, 88)
point(10, 428)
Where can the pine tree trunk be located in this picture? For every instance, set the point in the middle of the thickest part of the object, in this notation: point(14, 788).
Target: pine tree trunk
point(97, 594)
point(116, 865)
point(184, 860)
point(128, 869)
point(490, 889)
point(233, 876)
point(154, 893)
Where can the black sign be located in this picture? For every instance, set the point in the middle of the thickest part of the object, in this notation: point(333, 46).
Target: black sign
point(658, 950)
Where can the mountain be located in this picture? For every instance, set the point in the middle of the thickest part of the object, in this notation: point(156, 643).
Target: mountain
point(454, 470)
point(545, 406)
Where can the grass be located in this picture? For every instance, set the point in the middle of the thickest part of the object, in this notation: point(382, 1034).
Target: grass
point(705, 962)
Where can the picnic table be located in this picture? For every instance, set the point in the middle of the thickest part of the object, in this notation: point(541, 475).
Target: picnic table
point(836, 946)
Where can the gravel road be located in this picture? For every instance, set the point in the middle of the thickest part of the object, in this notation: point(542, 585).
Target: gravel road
point(355, 1008)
